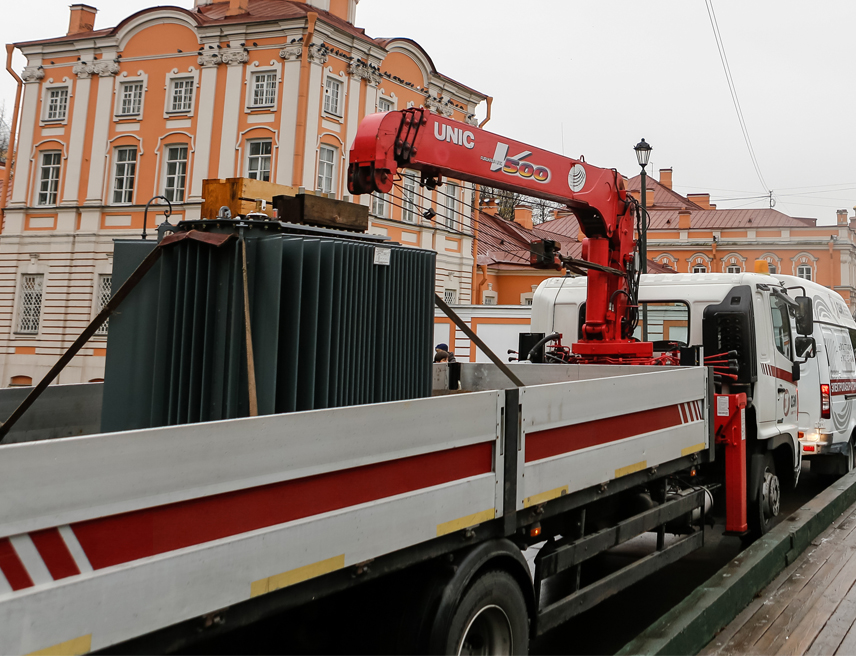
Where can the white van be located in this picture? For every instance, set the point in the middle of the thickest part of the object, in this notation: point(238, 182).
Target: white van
point(827, 385)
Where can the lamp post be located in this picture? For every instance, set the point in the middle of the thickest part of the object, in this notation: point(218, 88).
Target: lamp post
point(643, 153)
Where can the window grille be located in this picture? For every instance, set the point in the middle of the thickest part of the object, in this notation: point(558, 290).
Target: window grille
point(490, 300)
point(332, 92)
point(57, 104)
point(258, 160)
point(49, 178)
point(450, 296)
point(527, 301)
point(103, 293)
point(30, 308)
point(125, 173)
point(326, 169)
point(132, 99)
point(176, 173)
point(182, 95)
point(264, 90)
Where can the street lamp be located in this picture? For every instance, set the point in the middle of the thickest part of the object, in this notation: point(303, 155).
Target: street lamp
point(643, 153)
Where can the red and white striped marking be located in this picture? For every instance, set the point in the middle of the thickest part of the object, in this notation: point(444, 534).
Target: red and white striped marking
point(40, 557)
point(692, 411)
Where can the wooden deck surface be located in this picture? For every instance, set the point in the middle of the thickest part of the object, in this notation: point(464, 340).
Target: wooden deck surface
point(810, 608)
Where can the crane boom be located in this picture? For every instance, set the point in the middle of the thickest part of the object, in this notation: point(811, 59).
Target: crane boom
point(438, 147)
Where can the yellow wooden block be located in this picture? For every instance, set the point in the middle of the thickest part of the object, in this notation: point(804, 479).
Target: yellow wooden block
point(277, 581)
point(631, 469)
point(535, 499)
point(73, 647)
point(465, 522)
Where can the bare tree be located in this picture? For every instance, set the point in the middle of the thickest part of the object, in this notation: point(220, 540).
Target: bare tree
point(542, 210)
point(5, 130)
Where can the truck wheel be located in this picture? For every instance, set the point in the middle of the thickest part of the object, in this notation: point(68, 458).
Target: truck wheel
point(491, 618)
point(766, 506)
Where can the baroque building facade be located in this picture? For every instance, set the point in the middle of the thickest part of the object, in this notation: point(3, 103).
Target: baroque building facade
point(265, 89)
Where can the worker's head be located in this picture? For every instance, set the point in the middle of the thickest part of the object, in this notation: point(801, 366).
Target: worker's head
point(442, 347)
point(441, 356)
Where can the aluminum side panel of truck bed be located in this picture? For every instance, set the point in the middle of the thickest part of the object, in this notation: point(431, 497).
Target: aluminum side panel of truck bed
point(587, 433)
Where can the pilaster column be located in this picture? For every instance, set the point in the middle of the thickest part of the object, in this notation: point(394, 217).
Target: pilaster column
point(106, 69)
point(204, 123)
point(32, 75)
point(317, 58)
point(235, 58)
point(288, 116)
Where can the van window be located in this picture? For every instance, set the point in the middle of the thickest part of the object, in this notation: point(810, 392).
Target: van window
point(781, 326)
point(667, 322)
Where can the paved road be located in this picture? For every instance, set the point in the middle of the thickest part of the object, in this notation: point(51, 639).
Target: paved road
point(603, 630)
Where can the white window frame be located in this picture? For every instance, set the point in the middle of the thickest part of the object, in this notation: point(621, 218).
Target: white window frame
point(171, 78)
point(100, 299)
point(47, 89)
point(20, 304)
point(329, 109)
point(772, 268)
point(449, 194)
point(380, 203)
point(183, 174)
point(409, 198)
point(699, 268)
point(248, 171)
point(807, 268)
point(122, 82)
point(736, 267)
point(267, 99)
point(114, 175)
point(54, 191)
point(385, 99)
point(322, 164)
point(489, 298)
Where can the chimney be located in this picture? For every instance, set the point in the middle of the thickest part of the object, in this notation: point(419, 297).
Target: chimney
point(489, 206)
point(238, 7)
point(684, 217)
point(82, 19)
point(523, 216)
point(702, 200)
point(842, 217)
point(666, 178)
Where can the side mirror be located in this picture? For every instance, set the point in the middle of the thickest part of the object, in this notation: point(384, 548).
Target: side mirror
point(804, 316)
point(795, 371)
point(805, 347)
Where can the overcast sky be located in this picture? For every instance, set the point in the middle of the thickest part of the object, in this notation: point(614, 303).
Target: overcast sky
point(592, 78)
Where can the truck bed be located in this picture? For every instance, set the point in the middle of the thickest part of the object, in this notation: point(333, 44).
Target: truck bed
point(106, 537)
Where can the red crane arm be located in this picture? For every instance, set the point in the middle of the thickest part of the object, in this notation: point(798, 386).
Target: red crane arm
point(439, 147)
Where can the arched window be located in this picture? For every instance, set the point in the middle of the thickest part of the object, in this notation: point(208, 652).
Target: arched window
point(21, 381)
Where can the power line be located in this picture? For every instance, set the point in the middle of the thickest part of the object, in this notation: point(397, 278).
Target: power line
point(733, 90)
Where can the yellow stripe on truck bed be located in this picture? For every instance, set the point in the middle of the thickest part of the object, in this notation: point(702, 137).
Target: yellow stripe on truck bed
point(277, 581)
point(72, 647)
point(465, 522)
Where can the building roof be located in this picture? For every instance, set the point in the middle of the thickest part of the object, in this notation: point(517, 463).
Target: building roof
point(728, 219)
point(664, 197)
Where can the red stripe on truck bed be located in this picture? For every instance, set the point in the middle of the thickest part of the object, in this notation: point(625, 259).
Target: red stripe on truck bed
point(129, 536)
point(13, 568)
point(55, 553)
point(566, 439)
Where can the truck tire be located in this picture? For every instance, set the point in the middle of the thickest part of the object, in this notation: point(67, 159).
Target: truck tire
point(765, 507)
point(491, 618)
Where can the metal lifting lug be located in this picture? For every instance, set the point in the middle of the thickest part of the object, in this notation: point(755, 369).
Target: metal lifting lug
point(361, 568)
point(469, 534)
point(652, 471)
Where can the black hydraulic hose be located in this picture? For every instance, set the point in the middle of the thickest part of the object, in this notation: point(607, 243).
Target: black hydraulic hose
point(541, 343)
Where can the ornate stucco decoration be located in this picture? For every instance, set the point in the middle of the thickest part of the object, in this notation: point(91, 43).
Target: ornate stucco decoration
point(438, 106)
point(472, 120)
point(318, 53)
point(82, 70)
point(101, 68)
point(32, 74)
point(291, 52)
point(362, 71)
point(209, 58)
point(234, 57)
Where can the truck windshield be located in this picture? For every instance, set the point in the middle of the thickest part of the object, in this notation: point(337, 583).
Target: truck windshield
point(666, 322)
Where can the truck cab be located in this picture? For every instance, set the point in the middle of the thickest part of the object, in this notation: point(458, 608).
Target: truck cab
point(827, 412)
point(746, 324)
